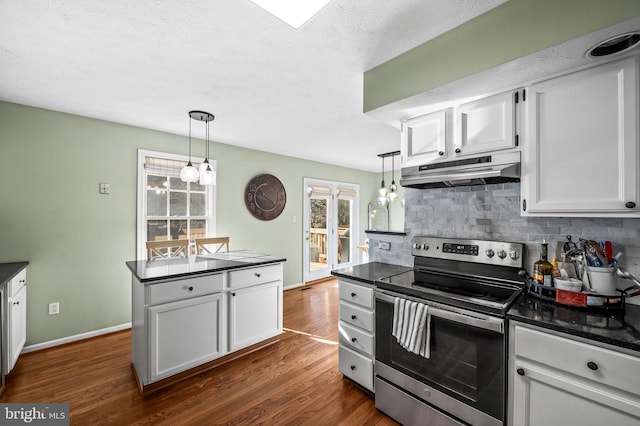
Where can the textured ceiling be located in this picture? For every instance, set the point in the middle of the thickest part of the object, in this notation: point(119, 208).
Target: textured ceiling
point(271, 88)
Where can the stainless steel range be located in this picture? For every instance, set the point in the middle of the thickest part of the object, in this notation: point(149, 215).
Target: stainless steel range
point(440, 332)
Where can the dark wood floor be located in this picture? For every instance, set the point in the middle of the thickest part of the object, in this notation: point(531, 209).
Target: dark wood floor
point(296, 381)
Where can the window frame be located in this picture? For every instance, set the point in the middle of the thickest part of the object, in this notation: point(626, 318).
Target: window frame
point(141, 214)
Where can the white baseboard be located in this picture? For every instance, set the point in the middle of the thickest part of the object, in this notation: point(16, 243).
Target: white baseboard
point(291, 286)
point(69, 339)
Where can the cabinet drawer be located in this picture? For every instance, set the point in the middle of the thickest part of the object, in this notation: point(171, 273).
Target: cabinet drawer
point(356, 367)
point(356, 338)
point(590, 362)
point(252, 276)
point(17, 283)
point(183, 289)
point(358, 294)
point(356, 316)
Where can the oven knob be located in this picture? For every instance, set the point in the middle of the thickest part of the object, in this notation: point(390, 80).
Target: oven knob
point(417, 246)
point(425, 246)
point(514, 254)
point(489, 252)
point(502, 254)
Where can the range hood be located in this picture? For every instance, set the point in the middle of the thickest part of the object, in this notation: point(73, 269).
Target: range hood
point(483, 170)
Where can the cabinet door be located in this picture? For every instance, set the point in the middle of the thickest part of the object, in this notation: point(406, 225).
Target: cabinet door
point(581, 152)
point(546, 397)
point(18, 326)
point(184, 334)
point(485, 125)
point(255, 314)
point(425, 139)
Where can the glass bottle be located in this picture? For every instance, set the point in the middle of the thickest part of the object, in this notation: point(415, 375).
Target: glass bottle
point(542, 269)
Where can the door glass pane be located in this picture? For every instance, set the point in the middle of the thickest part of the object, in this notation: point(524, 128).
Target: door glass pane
point(344, 231)
point(318, 234)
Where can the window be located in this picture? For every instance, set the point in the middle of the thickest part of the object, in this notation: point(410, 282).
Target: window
point(168, 208)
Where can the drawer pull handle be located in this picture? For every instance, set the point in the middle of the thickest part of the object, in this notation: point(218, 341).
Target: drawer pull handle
point(353, 339)
point(353, 367)
point(257, 274)
point(190, 288)
point(520, 372)
point(353, 295)
point(440, 153)
point(458, 150)
point(630, 205)
point(353, 317)
point(233, 294)
point(16, 303)
point(592, 365)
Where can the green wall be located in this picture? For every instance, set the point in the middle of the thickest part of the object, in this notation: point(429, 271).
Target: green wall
point(512, 30)
point(77, 241)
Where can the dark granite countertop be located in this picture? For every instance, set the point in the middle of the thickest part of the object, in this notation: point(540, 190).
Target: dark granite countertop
point(10, 270)
point(617, 328)
point(370, 272)
point(180, 267)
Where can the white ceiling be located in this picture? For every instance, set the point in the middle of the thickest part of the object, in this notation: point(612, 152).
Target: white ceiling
point(271, 88)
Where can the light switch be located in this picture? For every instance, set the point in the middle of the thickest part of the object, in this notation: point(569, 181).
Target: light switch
point(104, 188)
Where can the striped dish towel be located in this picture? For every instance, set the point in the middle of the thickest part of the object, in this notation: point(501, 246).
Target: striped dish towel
point(411, 326)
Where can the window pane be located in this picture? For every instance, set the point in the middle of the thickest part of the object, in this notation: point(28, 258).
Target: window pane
point(177, 183)
point(195, 186)
point(157, 202)
point(178, 229)
point(156, 230)
point(198, 204)
point(156, 182)
point(198, 229)
point(178, 204)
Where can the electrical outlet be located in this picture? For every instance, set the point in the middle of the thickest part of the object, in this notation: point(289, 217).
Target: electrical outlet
point(105, 188)
point(54, 308)
point(384, 245)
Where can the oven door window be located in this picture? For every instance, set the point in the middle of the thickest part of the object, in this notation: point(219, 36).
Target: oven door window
point(466, 362)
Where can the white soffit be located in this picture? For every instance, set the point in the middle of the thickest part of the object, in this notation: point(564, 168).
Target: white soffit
point(292, 12)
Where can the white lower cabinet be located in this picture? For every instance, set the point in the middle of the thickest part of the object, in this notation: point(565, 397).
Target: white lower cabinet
point(15, 318)
point(555, 379)
point(184, 334)
point(356, 332)
point(254, 314)
point(182, 323)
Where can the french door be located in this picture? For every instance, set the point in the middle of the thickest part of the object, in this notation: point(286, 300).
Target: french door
point(330, 227)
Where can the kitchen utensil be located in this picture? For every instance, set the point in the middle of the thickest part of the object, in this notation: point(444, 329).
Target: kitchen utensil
point(608, 251)
point(627, 276)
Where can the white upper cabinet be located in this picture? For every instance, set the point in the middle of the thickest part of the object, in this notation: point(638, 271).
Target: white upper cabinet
point(485, 125)
point(468, 130)
point(427, 138)
point(580, 156)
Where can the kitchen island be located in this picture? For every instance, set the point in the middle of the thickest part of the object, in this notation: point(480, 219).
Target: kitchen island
point(194, 313)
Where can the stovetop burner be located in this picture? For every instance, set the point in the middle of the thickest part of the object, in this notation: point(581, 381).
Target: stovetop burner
point(472, 274)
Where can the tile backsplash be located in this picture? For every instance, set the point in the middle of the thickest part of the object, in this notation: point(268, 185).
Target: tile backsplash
point(492, 212)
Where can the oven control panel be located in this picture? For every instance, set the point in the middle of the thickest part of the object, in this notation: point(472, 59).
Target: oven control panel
point(479, 251)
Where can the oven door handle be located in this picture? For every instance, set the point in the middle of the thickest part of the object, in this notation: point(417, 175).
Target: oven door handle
point(452, 314)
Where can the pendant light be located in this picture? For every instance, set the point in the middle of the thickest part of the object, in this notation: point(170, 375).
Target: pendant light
point(393, 188)
point(382, 191)
point(188, 172)
point(207, 175)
